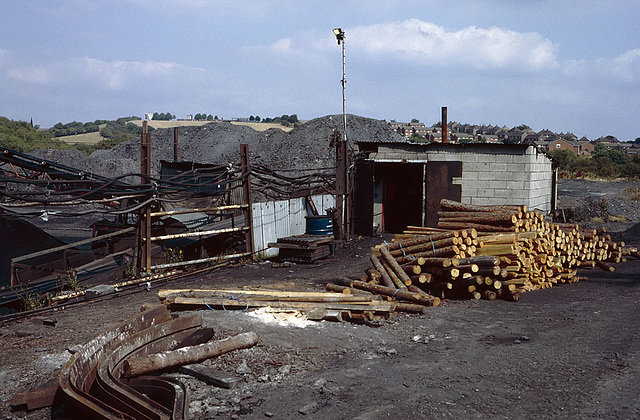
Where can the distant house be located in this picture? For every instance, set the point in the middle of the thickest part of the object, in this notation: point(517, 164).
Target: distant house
point(585, 146)
point(634, 150)
point(616, 145)
point(533, 137)
point(547, 135)
point(409, 129)
point(515, 135)
point(562, 144)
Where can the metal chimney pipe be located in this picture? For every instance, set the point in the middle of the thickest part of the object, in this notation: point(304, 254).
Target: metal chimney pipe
point(444, 124)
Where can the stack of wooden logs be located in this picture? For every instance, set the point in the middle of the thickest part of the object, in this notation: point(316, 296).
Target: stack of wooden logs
point(489, 252)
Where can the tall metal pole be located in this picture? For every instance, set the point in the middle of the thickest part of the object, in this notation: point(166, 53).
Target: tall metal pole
point(344, 91)
point(340, 36)
point(342, 153)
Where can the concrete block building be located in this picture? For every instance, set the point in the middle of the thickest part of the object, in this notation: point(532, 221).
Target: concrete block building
point(400, 184)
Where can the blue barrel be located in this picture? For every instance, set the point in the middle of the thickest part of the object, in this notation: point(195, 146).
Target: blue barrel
point(319, 225)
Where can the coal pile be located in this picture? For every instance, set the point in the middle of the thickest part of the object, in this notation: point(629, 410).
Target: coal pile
point(305, 147)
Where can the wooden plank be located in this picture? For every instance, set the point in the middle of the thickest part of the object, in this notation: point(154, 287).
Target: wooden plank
point(291, 246)
point(33, 400)
point(380, 306)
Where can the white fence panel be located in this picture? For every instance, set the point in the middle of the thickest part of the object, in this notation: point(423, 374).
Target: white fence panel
point(279, 219)
point(297, 213)
point(282, 219)
point(324, 202)
point(267, 228)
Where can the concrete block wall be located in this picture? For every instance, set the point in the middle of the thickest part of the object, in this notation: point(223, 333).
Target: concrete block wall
point(504, 178)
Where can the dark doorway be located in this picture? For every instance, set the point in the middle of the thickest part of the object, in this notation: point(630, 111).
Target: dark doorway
point(363, 199)
point(439, 185)
point(401, 194)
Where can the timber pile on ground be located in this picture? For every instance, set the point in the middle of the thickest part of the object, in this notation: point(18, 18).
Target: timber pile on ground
point(489, 252)
point(338, 303)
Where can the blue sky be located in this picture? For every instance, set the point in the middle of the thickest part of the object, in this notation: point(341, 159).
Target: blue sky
point(567, 66)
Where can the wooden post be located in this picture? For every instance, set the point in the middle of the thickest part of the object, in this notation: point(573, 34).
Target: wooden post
point(14, 276)
point(246, 188)
point(144, 218)
point(340, 184)
point(175, 144)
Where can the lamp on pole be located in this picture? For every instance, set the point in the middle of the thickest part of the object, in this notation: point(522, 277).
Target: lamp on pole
point(342, 157)
point(339, 33)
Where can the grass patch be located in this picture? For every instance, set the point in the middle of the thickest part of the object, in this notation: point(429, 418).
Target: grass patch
point(86, 138)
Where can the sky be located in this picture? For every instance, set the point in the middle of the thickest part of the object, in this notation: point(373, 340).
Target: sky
point(563, 65)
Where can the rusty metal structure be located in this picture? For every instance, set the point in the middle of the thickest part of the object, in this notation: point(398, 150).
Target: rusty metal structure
point(155, 220)
point(139, 233)
point(92, 383)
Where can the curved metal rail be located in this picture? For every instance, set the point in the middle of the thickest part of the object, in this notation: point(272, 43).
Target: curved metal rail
point(90, 382)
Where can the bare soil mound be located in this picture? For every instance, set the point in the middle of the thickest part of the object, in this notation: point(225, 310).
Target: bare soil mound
point(613, 205)
point(305, 147)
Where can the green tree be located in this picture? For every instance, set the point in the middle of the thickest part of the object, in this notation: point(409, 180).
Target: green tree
point(562, 157)
point(417, 138)
point(23, 137)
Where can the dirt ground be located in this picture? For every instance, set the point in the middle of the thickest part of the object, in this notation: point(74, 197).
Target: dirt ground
point(572, 351)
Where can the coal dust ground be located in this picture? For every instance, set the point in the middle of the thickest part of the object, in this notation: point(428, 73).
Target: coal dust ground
point(568, 352)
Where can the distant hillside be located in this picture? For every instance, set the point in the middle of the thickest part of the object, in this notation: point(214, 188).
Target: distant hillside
point(96, 137)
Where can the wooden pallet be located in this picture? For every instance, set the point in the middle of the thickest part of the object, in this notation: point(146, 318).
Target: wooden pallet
point(304, 248)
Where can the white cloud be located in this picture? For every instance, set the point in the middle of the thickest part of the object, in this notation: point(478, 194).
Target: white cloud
point(31, 75)
point(99, 74)
point(624, 68)
point(117, 75)
point(426, 43)
point(282, 45)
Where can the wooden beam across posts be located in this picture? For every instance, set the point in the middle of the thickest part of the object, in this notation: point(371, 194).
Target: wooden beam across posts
point(248, 199)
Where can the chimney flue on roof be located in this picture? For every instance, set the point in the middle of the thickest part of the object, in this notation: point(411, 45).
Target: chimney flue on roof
point(444, 124)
